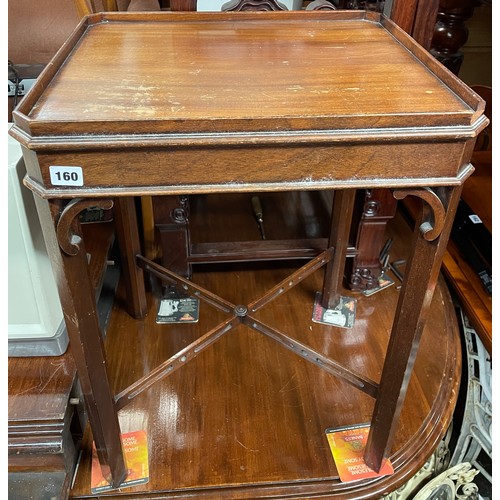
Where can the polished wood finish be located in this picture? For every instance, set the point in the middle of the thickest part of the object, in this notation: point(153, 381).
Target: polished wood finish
point(39, 435)
point(478, 194)
point(451, 32)
point(83, 8)
point(183, 5)
point(58, 108)
point(70, 266)
point(246, 419)
point(374, 209)
point(181, 248)
point(464, 280)
point(424, 265)
point(86, 7)
point(173, 226)
point(179, 255)
point(213, 124)
point(477, 305)
point(128, 237)
point(43, 426)
point(478, 191)
point(343, 206)
point(417, 18)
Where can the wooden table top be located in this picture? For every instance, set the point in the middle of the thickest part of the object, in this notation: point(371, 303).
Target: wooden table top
point(264, 101)
point(245, 71)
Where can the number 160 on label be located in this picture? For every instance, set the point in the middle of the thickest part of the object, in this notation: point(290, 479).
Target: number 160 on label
point(66, 176)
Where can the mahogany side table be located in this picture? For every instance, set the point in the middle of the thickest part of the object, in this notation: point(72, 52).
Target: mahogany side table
point(182, 103)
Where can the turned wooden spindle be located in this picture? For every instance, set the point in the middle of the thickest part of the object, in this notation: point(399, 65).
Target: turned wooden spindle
point(451, 32)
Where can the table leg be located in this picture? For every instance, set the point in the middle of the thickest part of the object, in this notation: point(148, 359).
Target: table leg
point(375, 208)
point(66, 249)
point(171, 221)
point(343, 205)
point(429, 244)
point(127, 233)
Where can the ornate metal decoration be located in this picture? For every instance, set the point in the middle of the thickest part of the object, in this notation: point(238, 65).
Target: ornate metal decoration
point(455, 483)
point(476, 428)
point(435, 465)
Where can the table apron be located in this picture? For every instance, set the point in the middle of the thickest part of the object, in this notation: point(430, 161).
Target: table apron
point(258, 167)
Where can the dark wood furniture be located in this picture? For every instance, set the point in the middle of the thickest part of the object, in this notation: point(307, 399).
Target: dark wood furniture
point(451, 31)
point(300, 114)
point(253, 425)
point(45, 409)
point(167, 221)
point(478, 194)
point(42, 442)
point(438, 25)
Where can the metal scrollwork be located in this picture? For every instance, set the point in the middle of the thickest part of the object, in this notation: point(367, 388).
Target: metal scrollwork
point(434, 212)
point(455, 483)
point(475, 438)
point(434, 466)
point(67, 236)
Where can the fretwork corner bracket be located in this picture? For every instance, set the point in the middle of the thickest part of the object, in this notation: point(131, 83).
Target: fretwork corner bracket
point(68, 226)
point(432, 217)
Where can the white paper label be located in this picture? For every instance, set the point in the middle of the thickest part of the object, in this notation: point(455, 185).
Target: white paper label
point(66, 176)
point(475, 219)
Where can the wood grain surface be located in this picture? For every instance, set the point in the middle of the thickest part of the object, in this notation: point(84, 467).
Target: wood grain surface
point(399, 120)
point(167, 69)
point(178, 76)
point(39, 388)
point(246, 418)
point(262, 101)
